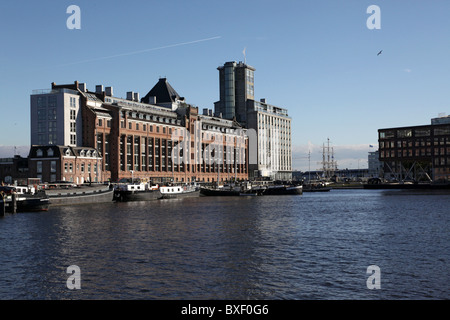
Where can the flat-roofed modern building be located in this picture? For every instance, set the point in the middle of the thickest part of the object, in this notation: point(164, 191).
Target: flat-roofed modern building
point(55, 116)
point(416, 152)
point(274, 147)
point(271, 150)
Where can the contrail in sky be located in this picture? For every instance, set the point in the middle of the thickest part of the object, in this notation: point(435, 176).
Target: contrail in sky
point(141, 51)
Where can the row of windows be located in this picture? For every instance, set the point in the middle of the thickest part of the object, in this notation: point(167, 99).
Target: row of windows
point(158, 154)
point(68, 167)
point(50, 138)
point(418, 132)
point(414, 152)
point(46, 101)
point(44, 114)
point(107, 122)
point(89, 168)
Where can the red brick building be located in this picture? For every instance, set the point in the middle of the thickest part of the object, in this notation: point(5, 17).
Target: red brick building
point(160, 138)
point(61, 163)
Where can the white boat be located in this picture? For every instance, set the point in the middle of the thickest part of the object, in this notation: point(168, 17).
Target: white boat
point(178, 191)
point(27, 198)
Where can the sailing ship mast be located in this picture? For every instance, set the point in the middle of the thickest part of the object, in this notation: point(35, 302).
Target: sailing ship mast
point(329, 165)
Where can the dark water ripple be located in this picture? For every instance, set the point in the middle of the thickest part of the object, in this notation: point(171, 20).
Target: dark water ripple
point(315, 246)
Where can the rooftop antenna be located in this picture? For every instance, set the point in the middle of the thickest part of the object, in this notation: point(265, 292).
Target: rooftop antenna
point(245, 59)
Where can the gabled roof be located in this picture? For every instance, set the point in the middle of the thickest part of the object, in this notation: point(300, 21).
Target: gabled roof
point(163, 92)
point(55, 151)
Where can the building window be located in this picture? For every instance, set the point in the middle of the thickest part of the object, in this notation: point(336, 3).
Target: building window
point(100, 122)
point(41, 127)
point(52, 126)
point(42, 114)
point(39, 166)
point(53, 166)
point(52, 114)
point(52, 101)
point(42, 101)
point(52, 138)
point(73, 102)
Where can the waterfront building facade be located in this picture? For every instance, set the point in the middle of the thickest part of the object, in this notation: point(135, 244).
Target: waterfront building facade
point(78, 165)
point(163, 141)
point(416, 152)
point(268, 125)
point(273, 134)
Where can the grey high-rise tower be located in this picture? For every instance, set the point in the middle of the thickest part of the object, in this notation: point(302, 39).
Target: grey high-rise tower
point(236, 81)
point(270, 124)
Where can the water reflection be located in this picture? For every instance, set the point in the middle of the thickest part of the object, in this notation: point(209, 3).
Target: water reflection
point(314, 246)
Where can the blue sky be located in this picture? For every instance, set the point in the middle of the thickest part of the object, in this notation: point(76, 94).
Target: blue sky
point(317, 58)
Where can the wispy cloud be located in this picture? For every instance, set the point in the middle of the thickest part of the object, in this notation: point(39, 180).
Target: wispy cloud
point(140, 51)
point(407, 70)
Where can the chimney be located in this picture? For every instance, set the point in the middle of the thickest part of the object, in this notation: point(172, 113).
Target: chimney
point(82, 87)
point(205, 111)
point(109, 91)
point(136, 96)
point(130, 95)
point(99, 88)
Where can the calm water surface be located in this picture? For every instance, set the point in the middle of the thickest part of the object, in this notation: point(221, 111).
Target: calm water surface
point(314, 246)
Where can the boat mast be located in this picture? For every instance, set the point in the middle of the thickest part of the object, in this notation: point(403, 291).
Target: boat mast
point(309, 170)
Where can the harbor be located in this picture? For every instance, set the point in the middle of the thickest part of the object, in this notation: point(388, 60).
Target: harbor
point(314, 246)
point(221, 151)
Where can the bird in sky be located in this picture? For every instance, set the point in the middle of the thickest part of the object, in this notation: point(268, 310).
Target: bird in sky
point(379, 52)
